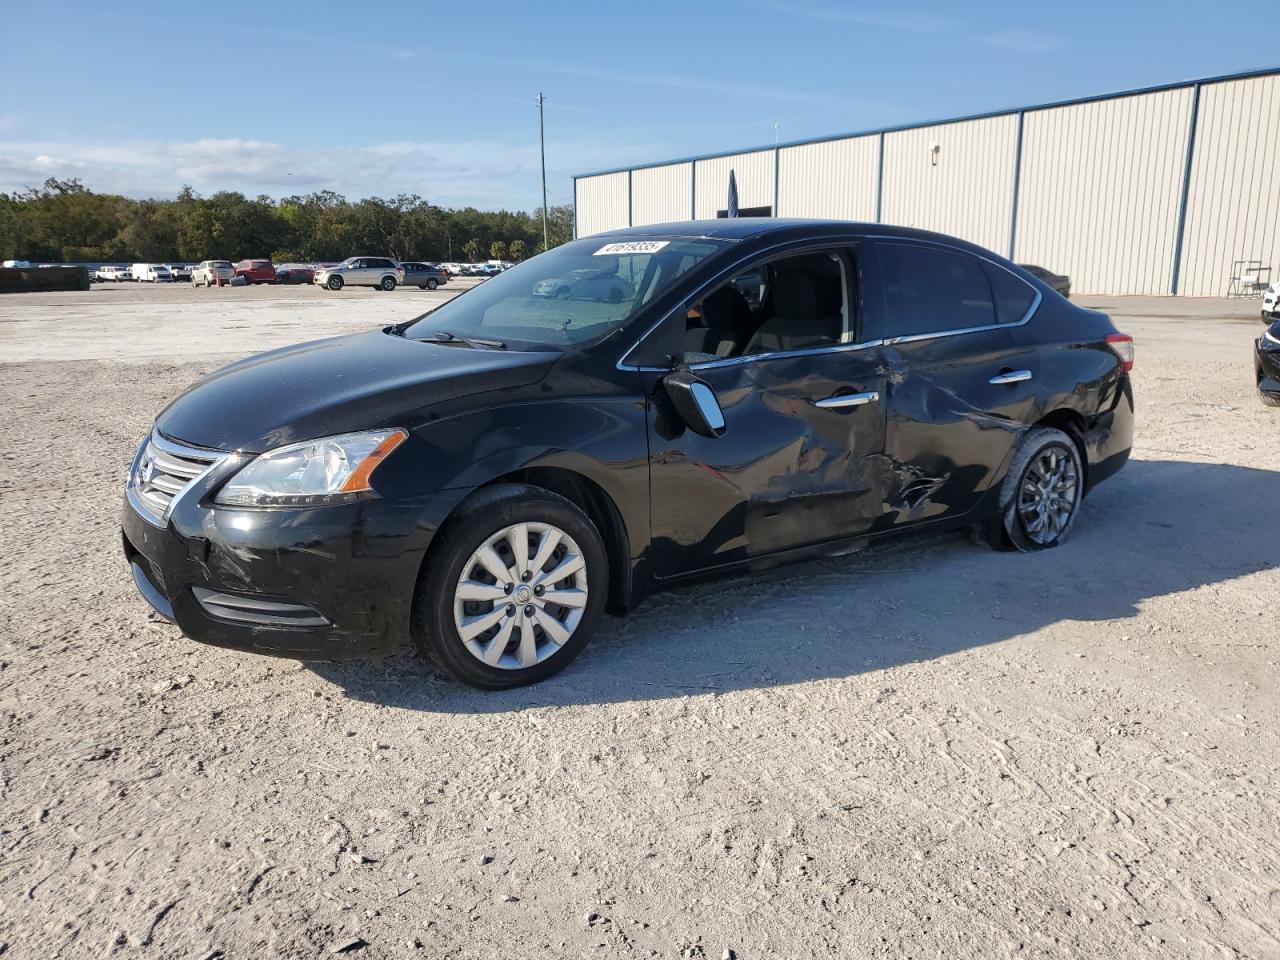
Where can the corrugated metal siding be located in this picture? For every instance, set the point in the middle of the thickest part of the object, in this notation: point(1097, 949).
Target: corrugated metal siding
point(601, 203)
point(753, 172)
point(835, 179)
point(1101, 183)
point(968, 193)
point(661, 194)
point(1233, 206)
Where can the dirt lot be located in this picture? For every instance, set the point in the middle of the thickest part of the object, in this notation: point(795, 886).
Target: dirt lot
point(927, 750)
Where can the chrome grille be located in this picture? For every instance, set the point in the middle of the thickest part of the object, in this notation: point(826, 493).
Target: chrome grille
point(162, 470)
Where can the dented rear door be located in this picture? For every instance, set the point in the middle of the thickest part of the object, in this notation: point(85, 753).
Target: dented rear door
point(961, 386)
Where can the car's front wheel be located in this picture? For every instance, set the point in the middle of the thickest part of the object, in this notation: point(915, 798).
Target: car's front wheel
point(512, 589)
point(1041, 494)
point(334, 283)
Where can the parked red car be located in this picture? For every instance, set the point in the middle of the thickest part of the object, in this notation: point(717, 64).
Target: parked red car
point(256, 271)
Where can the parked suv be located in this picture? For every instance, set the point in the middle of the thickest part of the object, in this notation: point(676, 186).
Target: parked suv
point(424, 276)
point(381, 272)
point(209, 272)
point(256, 271)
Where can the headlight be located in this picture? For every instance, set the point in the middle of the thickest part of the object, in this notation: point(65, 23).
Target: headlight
point(315, 472)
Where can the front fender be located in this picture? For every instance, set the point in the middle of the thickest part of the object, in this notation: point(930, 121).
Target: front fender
point(600, 438)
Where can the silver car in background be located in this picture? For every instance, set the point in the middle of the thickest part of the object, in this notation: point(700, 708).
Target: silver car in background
point(425, 276)
point(209, 272)
point(381, 272)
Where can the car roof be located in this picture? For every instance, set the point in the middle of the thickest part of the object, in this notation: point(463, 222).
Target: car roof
point(782, 228)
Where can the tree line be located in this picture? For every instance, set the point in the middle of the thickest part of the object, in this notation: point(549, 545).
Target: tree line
point(63, 221)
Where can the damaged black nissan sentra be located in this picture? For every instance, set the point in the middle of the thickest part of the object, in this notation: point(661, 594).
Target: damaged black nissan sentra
point(623, 414)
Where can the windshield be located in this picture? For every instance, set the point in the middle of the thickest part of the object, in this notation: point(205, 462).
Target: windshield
point(569, 295)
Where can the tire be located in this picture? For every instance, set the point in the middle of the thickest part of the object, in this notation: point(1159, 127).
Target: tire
point(1022, 523)
point(1270, 399)
point(432, 283)
point(334, 283)
point(487, 517)
point(387, 283)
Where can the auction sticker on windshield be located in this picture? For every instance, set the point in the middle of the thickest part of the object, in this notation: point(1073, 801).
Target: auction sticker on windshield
point(633, 246)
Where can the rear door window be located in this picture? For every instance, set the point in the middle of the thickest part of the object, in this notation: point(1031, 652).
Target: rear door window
point(1013, 295)
point(929, 289)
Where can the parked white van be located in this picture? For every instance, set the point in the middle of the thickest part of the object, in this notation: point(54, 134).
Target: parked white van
point(151, 272)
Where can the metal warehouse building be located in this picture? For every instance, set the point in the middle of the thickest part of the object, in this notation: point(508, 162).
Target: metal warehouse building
point(1152, 191)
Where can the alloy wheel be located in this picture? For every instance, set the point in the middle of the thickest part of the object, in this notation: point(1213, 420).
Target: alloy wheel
point(1049, 494)
point(521, 595)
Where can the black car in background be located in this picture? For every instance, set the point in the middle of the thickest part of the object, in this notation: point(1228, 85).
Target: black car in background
point(1059, 282)
point(1266, 365)
point(487, 479)
point(295, 273)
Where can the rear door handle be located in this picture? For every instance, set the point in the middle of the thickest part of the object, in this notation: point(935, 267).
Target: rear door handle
point(848, 400)
point(1011, 376)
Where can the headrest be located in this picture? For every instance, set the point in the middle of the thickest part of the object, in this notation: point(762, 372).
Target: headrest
point(802, 295)
point(725, 309)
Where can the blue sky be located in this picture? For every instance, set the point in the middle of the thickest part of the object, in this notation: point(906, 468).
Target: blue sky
point(437, 99)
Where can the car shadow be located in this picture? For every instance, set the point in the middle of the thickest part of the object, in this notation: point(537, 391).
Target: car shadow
point(1159, 527)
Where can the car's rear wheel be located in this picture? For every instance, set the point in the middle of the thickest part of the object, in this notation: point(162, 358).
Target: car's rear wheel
point(432, 283)
point(334, 283)
point(512, 589)
point(1041, 494)
point(388, 283)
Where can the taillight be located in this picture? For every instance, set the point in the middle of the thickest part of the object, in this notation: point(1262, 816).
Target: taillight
point(1122, 344)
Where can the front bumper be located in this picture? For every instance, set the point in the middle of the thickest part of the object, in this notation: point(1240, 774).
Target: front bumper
point(313, 584)
point(1266, 367)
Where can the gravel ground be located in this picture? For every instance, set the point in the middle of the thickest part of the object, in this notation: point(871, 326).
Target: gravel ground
point(923, 750)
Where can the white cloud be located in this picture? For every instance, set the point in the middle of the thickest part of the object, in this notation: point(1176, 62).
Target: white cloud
point(55, 166)
point(484, 174)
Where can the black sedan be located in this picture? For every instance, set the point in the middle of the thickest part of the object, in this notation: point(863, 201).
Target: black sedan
point(487, 479)
point(1266, 365)
point(1059, 282)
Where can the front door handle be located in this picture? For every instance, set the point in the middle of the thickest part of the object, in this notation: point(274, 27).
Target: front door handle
point(849, 400)
point(1010, 376)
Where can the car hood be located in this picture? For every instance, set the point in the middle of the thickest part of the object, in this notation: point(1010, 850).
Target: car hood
point(339, 385)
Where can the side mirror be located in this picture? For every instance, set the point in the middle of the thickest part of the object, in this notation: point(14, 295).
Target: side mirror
point(696, 403)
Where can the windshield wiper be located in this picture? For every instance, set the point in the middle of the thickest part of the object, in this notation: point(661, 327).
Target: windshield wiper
point(444, 336)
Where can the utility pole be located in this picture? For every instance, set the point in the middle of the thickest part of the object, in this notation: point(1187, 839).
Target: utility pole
point(542, 149)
